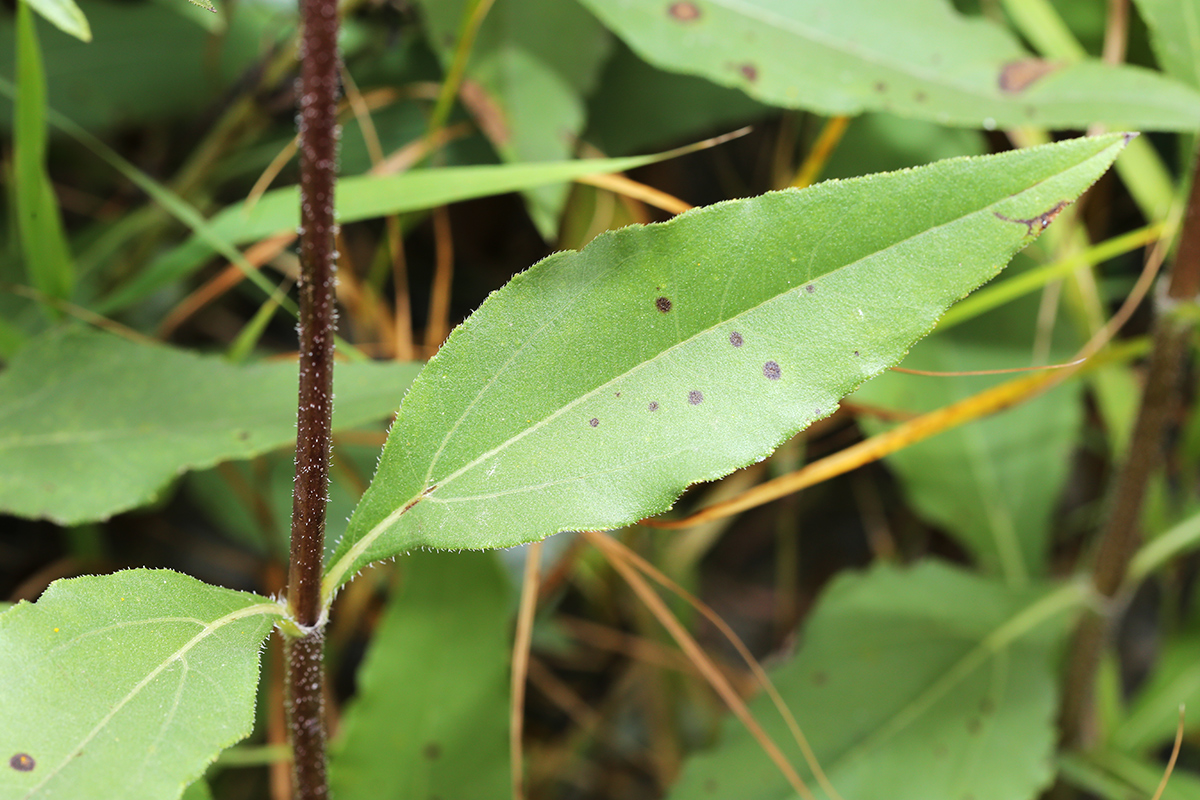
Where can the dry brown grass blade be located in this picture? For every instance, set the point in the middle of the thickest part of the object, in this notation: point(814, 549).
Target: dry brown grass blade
point(760, 675)
point(627, 187)
point(79, 312)
point(720, 684)
point(520, 667)
point(438, 327)
point(986, 402)
point(1162, 784)
point(821, 150)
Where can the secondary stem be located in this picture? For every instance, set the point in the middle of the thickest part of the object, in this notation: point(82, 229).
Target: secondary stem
point(319, 67)
point(1120, 536)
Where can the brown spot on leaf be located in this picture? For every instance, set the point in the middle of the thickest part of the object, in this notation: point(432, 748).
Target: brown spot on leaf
point(684, 11)
point(432, 751)
point(22, 762)
point(920, 97)
point(735, 339)
point(593, 422)
point(653, 406)
point(663, 304)
point(710, 785)
point(771, 370)
point(695, 397)
point(986, 706)
point(880, 87)
point(1017, 76)
point(974, 726)
point(857, 353)
point(749, 72)
point(820, 678)
point(1040, 222)
point(810, 288)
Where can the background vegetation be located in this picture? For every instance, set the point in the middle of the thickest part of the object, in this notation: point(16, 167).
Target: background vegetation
point(916, 608)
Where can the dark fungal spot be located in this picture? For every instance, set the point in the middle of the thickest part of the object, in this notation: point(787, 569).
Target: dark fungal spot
point(735, 339)
point(243, 435)
point(771, 370)
point(857, 353)
point(810, 288)
point(880, 87)
point(663, 304)
point(920, 97)
point(653, 406)
point(749, 72)
point(22, 762)
point(684, 11)
point(618, 394)
point(1017, 76)
point(433, 751)
point(593, 422)
point(695, 397)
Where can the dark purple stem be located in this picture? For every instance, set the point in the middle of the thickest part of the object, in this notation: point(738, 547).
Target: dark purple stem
point(319, 66)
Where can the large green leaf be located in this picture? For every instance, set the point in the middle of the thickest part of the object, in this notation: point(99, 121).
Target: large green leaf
point(532, 63)
point(431, 715)
point(1175, 34)
point(995, 482)
point(918, 58)
point(594, 388)
point(43, 239)
point(358, 198)
point(910, 685)
point(92, 424)
point(125, 685)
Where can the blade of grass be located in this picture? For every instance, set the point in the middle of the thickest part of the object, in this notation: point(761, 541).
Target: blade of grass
point(43, 239)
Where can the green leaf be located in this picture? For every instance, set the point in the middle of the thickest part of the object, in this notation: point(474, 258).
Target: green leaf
point(910, 685)
point(43, 239)
point(65, 15)
point(994, 483)
point(197, 791)
point(93, 424)
point(1175, 35)
point(125, 685)
point(431, 715)
point(594, 388)
point(358, 198)
point(1154, 713)
point(532, 63)
point(917, 58)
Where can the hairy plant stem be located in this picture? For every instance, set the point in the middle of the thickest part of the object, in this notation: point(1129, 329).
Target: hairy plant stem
point(1120, 536)
point(319, 69)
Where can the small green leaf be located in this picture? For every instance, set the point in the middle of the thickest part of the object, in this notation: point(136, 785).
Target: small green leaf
point(358, 198)
point(65, 15)
point(125, 685)
point(531, 65)
point(594, 388)
point(1175, 34)
point(43, 239)
point(431, 715)
point(917, 58)
point(93, 424)
point(910, 685)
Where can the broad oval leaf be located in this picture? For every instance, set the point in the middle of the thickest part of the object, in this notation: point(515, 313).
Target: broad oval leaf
point(590, 391)
point(910, 685)
point(125, 685)
point(93, 424)
point(430, 716)
point(918, 58)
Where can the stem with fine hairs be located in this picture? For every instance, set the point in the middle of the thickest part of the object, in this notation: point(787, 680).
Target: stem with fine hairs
point(318, 91)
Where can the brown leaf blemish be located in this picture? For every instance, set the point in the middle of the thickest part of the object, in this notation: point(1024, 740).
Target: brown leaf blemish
point(880, 87)
point(695, 397)
point(749, 72)
point(663, 304)
point(593, 422)
point(772, 371)
point(1041, 221)
point(920, 97)
point(418, 498)
point(684, 11)
point(22, 762)
point(1017, 76)
point(810, 288)
point(735, 339)
point(653, 406)
point(433, 751)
